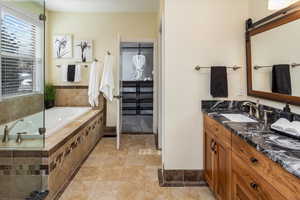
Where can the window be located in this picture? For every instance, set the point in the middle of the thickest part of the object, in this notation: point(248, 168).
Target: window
point(21, 58)
point(279, 4)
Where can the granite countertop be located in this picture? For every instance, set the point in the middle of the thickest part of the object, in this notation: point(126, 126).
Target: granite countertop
point(281, 149)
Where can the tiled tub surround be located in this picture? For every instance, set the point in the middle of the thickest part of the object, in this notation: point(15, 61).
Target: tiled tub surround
point(17, 107)
point(55, 164)
point(74, 96)
point(281, 149)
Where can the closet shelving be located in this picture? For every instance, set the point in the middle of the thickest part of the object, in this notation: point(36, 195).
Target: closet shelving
point(137, 97)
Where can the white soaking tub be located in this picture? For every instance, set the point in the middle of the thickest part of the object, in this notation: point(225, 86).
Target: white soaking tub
point(55, 119)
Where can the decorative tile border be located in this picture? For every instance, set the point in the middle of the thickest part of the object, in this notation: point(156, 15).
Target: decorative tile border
point(59, 159)
point(24, 169)
point(61, 191)
point(181, 178)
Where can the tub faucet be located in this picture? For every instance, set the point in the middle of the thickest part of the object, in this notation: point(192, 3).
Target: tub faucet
point(7, 130)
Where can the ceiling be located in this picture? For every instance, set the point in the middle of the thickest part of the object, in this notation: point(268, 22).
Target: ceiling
point(102, 5)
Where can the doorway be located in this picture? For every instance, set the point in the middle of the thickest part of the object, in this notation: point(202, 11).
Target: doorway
point(137, 87)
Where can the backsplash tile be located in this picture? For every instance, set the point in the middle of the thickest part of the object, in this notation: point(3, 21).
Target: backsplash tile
point(237, 106)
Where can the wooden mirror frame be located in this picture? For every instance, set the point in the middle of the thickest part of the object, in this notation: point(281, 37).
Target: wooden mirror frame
point(277, 19)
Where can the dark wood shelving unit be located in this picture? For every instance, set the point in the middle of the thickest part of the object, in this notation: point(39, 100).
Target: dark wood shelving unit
point(137, 97)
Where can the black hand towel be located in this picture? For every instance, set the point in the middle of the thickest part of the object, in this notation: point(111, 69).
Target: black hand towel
point(71, 73)
point(281, 79)
point(218, 82)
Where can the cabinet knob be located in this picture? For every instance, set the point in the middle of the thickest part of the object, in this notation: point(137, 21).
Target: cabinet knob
point(213, 145)
point(254, 185)
point(253, 160)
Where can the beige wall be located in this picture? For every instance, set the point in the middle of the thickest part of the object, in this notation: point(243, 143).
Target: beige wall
point(210, 33)
point(258, 9)
point(103, 29)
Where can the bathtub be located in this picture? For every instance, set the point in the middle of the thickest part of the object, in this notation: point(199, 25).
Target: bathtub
point(58, 157)
point(55, 119)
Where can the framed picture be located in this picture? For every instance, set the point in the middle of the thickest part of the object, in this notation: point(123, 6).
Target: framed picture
point(83, 50)
point(63, 46)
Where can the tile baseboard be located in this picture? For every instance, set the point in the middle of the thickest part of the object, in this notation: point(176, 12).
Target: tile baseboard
point(181, 178)
point(110, 131)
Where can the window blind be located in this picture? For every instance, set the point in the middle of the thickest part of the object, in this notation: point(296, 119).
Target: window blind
point(20, 55)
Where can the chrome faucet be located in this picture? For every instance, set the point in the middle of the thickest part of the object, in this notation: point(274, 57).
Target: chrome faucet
point(216, 104)
point(266, 119)
point(252, 106)
point(7, 130)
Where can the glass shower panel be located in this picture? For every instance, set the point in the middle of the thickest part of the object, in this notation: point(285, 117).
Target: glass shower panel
point(22, 27)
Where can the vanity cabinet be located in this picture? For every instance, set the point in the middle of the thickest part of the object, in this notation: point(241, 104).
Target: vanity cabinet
point(234, 170)
point(217, 160)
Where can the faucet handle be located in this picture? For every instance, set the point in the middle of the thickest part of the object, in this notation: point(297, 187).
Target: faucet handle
point(19, 137)
point(266, 112)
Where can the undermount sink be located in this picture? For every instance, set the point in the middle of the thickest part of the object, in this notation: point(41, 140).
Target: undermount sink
point(238, 118)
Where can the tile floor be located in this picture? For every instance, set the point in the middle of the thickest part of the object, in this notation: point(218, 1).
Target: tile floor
point(137, 124)
point(128, 174)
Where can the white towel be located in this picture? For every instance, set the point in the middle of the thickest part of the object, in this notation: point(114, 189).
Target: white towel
point(94, 81)
point(77, 73)
point(294, 128)
point(284, 125)
point(107, 82)
point(280, 124)
point(64, 73)
point(139, 62)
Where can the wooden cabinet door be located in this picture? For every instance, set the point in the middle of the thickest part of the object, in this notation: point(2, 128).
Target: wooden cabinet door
point(223, 172)
point(209, 142)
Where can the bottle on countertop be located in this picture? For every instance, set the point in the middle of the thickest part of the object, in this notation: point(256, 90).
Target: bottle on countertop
point(287, 108)
point(287, 113)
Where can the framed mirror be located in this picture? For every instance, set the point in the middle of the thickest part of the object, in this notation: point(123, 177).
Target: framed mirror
point(273, 56)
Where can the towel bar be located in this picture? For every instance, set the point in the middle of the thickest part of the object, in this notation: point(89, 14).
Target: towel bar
point(257, 67)
point(198, 68)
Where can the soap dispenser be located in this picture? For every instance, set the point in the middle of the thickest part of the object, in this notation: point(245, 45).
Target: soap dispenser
point(287, 108)
point(287, 112)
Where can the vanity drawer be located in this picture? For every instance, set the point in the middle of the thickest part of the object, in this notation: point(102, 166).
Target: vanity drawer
point(249, 185)
point(217, 129)
point(287, 184)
